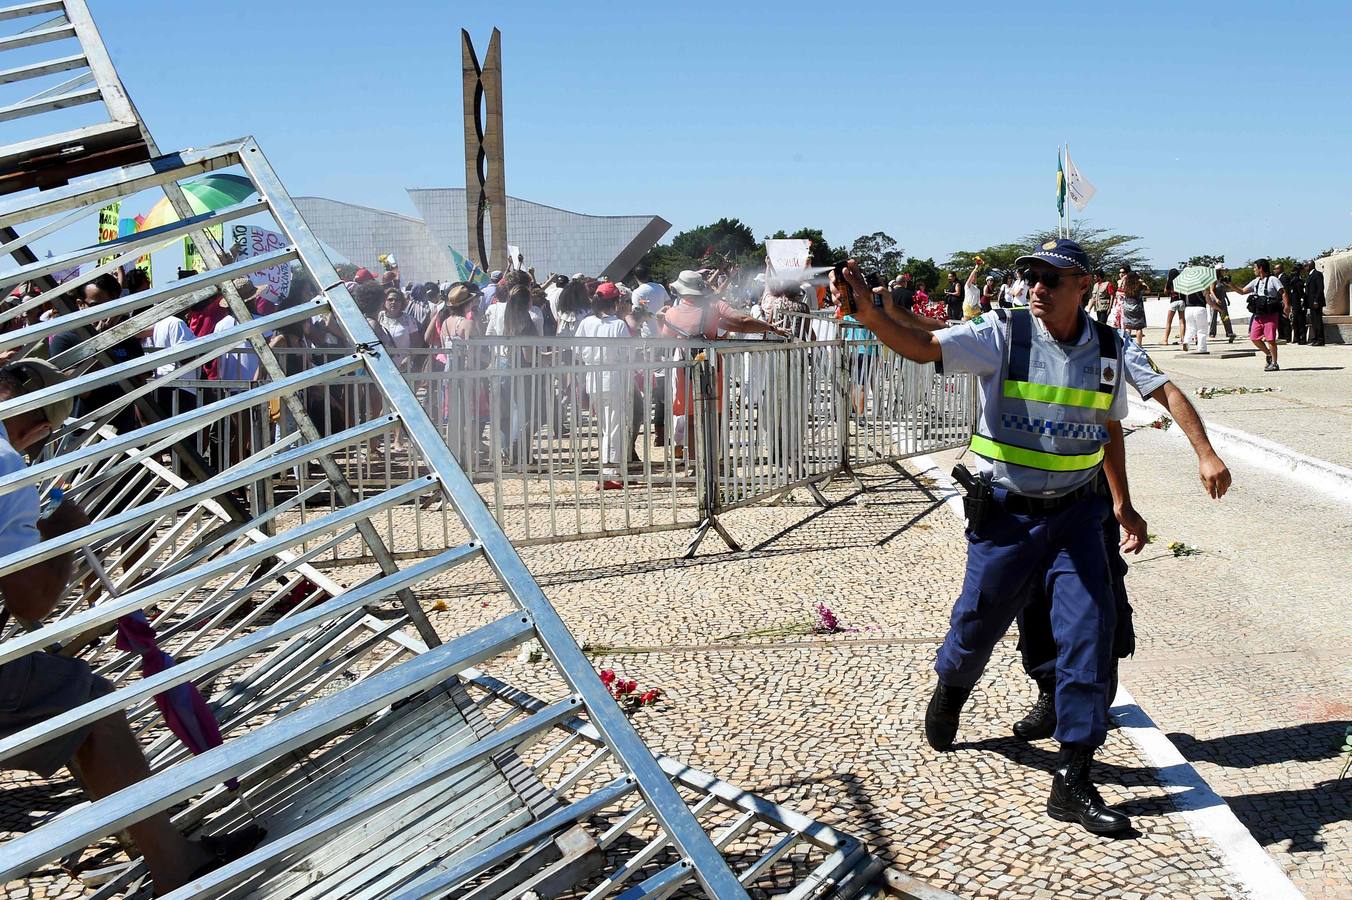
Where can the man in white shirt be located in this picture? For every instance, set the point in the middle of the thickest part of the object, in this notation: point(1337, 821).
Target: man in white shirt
point(610, 386)
point(1018, 292)
point(649, 293)
point(553, 291)
point(171, 331)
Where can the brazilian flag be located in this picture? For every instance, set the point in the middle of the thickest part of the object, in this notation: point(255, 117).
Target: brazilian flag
point(1060, 186)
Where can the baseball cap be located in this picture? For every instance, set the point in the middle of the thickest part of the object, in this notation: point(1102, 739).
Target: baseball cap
point(607, 291)
point(362, 275)
point(1063, 253)
point(37, 375)
point(495, 275)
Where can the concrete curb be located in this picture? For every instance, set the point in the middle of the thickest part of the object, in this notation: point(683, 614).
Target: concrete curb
point(1327, 478)
point(1205, 811)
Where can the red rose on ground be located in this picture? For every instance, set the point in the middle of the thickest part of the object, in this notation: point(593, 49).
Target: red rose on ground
point(607, 676)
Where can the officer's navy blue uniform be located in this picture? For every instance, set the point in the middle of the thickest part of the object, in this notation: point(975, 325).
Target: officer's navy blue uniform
point(1039, 441)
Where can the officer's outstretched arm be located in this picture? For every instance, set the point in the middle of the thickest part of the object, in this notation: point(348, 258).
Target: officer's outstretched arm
point(921, 346)
point(912, 343)
point(1211, 468)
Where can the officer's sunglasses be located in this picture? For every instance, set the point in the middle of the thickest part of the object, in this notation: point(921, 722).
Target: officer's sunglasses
point(1050, 277)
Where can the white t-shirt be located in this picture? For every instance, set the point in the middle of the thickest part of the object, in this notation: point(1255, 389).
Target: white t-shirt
point(19, 508)
point(170, 331)
point(1018, 293)
point(651, 295)
point(552, 294)
point(241, 363)
point(1267, 285)
point(603, 353)
point(496, 320)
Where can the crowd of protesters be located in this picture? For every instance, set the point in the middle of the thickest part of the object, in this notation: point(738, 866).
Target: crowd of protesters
point(429, 327)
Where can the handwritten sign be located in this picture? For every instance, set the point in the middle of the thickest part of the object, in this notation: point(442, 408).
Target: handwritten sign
point(249, 240)
point(108, 226)
point(788, 256)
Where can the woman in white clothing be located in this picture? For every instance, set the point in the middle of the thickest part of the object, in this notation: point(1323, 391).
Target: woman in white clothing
point(608, 383)
point(511, 408)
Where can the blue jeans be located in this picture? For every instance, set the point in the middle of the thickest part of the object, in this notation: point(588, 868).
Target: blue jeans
point(1064, 552)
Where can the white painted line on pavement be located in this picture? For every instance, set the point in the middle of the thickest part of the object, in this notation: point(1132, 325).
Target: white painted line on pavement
point(948, 490)
point(1205, 811)
point(1201, 807)
point(1327, 478)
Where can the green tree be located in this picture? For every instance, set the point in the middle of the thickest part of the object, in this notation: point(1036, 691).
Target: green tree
point(1106, 249)
point(1205, 259)
point(998, 258)
point(923, 271)
point(879, 253)
point(726, 239)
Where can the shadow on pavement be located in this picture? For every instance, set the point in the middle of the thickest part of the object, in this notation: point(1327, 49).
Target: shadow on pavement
point(1294, 743)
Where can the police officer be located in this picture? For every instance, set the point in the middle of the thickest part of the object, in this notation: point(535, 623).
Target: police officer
point(1051, 383)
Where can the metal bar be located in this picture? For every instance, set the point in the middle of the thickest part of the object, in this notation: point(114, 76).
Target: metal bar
point(114, 184)
point(173, 429)
point(15, 647)
point(114, 95)
point(525, 837)
point(137, 241)
point(663, 884)
point(31, 9)
point(36, 36)
point(231, 478)
point(41, 105)
point(312, 833)
point(502, 557)
point(223, 341)
point(39, 69)
point(331, 714)
point(178, 295)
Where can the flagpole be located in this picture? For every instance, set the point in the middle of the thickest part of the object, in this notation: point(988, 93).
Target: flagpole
point(1068, 188)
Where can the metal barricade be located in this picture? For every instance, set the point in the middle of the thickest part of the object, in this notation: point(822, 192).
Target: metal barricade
point(572, 439)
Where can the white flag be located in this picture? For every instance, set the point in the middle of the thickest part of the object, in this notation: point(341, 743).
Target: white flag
point(1078, 187)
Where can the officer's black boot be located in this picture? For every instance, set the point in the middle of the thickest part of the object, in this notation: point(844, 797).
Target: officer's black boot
point(1075, 799)
point(1040, 722)
point(941, 716)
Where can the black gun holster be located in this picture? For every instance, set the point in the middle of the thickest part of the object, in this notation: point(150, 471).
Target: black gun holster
point(978, 497)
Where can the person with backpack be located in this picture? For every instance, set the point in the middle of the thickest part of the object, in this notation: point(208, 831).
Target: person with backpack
point(1266, 305)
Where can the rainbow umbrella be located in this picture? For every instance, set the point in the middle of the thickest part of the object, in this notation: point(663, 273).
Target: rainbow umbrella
point(206, 194)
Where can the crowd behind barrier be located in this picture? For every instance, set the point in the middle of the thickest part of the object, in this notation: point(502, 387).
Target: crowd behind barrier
point(558, 453)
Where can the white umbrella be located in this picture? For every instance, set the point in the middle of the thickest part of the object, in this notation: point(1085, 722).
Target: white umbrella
point(1194, 280)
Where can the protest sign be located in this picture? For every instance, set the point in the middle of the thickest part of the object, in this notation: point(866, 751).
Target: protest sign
point(788, 256)
point(108, 226)
point(514, 260)
point(249, 240)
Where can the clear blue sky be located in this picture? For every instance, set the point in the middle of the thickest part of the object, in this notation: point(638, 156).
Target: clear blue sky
point(1206, 127)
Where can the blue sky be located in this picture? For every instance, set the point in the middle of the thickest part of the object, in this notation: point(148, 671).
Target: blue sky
point(1206, 127)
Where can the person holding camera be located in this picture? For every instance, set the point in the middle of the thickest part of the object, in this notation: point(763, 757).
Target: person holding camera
point(1266, 305)
point(1052, 385)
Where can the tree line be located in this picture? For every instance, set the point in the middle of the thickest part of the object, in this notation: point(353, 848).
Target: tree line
point(731, 243)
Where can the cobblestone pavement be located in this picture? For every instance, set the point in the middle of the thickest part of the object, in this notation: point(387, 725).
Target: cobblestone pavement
point(1243, 648)
point(827, 723)
point(830, 723)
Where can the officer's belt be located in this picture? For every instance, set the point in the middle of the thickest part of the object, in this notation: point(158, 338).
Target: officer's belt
point(1027, 505)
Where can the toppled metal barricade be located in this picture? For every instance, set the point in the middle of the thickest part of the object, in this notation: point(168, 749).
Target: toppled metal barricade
point(349, 732)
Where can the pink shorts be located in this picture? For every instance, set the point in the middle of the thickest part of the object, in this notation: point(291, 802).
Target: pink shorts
point(1263, 326)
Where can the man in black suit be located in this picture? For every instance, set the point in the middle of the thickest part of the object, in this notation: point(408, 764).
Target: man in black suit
point(1314, 303)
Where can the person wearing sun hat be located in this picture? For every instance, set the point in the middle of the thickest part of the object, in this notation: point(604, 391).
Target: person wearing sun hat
point(1052, 388)
point(699, 315)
